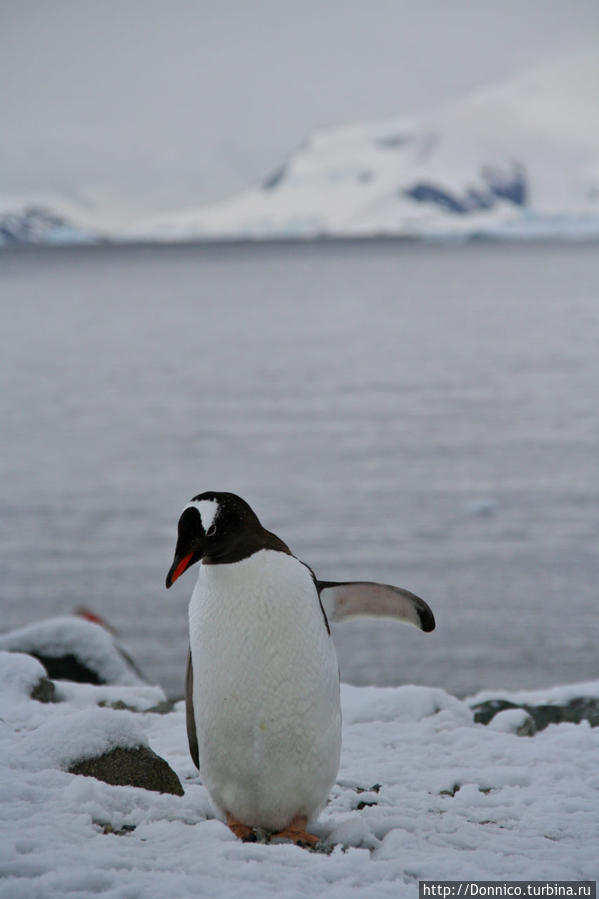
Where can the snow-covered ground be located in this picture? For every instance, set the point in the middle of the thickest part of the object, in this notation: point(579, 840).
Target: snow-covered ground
point(423, 793)
point(516, 159)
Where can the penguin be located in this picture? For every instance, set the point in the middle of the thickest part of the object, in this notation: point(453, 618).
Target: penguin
point(262, 686)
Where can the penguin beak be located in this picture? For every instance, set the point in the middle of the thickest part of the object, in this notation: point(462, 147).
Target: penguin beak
point(177, 568)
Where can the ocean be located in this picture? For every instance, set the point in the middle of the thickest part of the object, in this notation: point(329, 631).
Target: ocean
point(418, 414)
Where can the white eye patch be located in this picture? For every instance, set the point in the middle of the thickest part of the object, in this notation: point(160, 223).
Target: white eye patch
point(207, 508)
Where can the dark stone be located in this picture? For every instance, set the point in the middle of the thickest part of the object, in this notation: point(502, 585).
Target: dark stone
point(543, 715)
point(131, 767)
point(118, 705)
point(576, 710)
point(452, 792)
point(44, 691)
point(68, 667)
point(528, 728)
point(584, 709)
point(106, 827)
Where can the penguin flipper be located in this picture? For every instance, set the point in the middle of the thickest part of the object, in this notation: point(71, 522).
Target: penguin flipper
point(353, 599)
point(190, 720)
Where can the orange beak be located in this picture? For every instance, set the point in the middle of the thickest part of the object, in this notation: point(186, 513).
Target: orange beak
point(179, 569)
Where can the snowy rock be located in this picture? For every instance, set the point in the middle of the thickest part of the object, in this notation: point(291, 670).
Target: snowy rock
point(515, 721)
point(67, 735)
point(575, 710)
point(70, 648)
point(136, 766)
point(22, 675)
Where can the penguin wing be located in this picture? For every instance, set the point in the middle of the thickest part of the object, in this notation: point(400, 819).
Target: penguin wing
point(190, 720)
point(353, 599)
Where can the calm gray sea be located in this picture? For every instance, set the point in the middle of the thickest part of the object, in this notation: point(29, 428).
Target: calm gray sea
point(424, 415)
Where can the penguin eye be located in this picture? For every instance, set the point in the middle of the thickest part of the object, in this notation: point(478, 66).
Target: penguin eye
point(211, 530)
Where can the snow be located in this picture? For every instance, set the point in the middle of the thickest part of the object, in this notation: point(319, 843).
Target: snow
point(141, 698)
point(90, 643)
point(442, 798)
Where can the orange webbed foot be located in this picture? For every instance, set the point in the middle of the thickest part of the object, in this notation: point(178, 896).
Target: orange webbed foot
point(296, 832)
point(241, 831)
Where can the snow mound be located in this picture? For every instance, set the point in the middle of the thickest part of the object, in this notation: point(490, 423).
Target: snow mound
point(73, 638)
point(19, 673)
point(516, 159)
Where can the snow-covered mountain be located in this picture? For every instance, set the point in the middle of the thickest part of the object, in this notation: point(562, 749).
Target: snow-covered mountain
point(41, 222)
point(517, 158)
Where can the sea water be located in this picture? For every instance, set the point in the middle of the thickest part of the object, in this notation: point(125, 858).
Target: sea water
point(423, 415)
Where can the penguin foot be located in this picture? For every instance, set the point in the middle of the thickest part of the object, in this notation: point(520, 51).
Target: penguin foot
point(241, 831)
point(296, 833)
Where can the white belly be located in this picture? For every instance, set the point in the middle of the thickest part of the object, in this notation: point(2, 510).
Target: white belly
point(265, 690)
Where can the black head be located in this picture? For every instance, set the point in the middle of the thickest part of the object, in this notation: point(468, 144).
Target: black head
point(218, 528)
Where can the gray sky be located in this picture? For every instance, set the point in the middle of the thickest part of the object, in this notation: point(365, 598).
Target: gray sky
point(149, 104)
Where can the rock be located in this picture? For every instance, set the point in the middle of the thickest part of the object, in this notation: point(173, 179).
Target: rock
point(582, 708)
point(163, 708)
point(23, 676)
point(135, 766)
point(486, 711)
point(68, 667)
point(73, 649)
point(513, 721)
point(43, 691)
point(528, 727)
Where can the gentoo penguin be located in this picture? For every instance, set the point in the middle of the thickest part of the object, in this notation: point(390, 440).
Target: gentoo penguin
point(262, 691)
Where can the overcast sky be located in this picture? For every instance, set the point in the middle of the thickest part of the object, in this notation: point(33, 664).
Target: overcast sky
point(150, 104)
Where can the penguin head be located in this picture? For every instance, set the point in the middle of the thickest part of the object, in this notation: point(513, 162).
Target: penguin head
point(214, 528)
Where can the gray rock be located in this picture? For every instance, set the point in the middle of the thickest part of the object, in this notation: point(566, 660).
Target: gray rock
point(43, 691)
point(132, 767)
point(528, 728)
point(583, 708)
